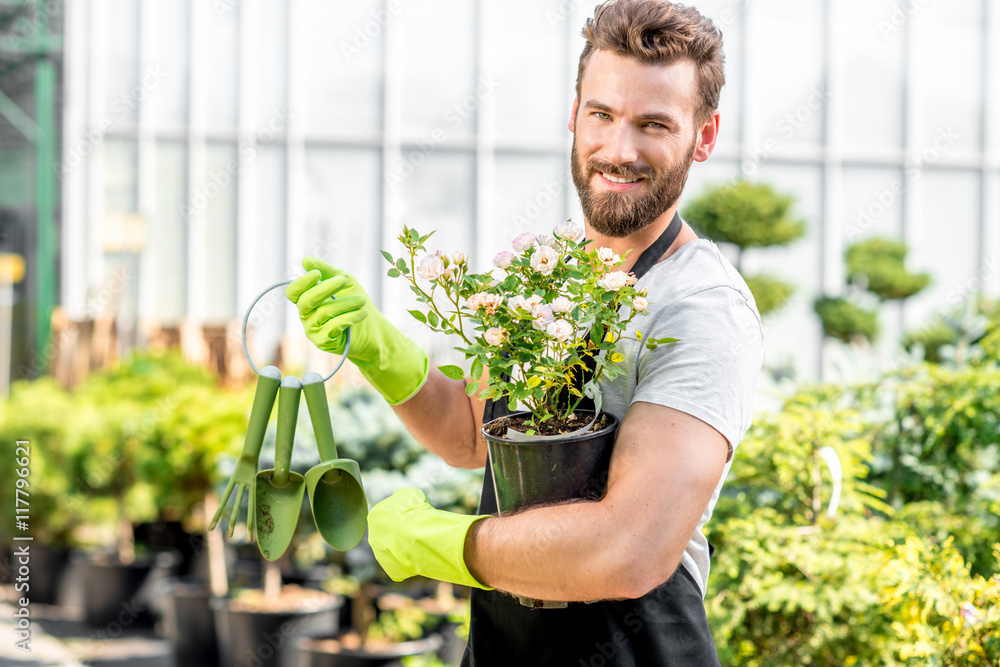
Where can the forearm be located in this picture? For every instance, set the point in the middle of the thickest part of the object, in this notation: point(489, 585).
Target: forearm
point(567, 552)
point(440, 417)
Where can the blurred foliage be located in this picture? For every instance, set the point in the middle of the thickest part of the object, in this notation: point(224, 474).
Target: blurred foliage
point(879, 264)
point(845, 321)
point(749, 215)
point(769, 292)
point(944, 616)
point(959, 336)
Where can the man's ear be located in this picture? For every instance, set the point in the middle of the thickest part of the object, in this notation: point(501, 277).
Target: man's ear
point(707, 137)
point(572, 118)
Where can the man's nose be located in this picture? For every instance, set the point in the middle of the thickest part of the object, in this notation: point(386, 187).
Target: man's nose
point(622, 147)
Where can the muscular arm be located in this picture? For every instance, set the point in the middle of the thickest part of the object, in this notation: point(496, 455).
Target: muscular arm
point(664, 470)
point(446, 421)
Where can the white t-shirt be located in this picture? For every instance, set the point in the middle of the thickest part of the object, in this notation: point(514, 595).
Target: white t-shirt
point(697, 296)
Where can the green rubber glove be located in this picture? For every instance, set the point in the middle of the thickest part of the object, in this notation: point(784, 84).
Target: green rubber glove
point(389, 359)
point(409, 537)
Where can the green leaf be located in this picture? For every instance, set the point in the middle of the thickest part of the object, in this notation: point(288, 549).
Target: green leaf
point(452, 372)
point(387, 256)
point(418, 315)
point(432, 318)
point(401, 264)
point(470, 389)
point(393, 273)
point(477, 369)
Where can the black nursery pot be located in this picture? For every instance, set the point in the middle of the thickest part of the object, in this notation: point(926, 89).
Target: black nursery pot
point(534, 472)
point(266, 638)
point(123, 594)
point(48, 567)
point(188, 621)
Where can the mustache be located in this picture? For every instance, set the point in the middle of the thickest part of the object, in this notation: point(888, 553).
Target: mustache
point(619, 170)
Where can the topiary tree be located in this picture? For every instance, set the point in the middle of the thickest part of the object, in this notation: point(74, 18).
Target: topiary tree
point(749, 215)
point(876, 266)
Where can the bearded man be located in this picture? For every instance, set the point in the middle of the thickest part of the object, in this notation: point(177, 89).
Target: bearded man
point(633, 566)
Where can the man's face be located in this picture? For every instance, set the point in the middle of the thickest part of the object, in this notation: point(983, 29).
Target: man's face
point(634, 123)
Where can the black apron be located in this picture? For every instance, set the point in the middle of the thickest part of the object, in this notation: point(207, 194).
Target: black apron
point(667, 626)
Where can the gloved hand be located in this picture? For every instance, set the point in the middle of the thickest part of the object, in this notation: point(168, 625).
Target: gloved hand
point(409, 537)
point(389, 359)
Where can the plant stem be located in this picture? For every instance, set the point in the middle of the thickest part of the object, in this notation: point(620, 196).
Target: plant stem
point(433, 306)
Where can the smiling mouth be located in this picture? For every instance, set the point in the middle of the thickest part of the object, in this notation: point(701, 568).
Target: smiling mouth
point(620, 179)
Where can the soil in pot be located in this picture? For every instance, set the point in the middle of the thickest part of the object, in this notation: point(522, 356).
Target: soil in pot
point(555, 426)
point(189, 623)
point(255, 631)
point(345, 650)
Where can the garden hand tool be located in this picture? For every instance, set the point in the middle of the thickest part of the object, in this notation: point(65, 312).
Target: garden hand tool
point(339, 506)
point(243, 477)
point(409, 537)
point(278, 493)
point(395, 365)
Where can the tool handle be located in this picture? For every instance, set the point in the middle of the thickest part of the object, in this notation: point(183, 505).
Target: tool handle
point(319, 415)
point(288, 413)
point(260, 413)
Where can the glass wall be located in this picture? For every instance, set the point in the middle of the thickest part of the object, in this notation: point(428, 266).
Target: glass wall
point(247, 134)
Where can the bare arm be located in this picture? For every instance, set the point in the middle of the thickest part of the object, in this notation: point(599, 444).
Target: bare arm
point(664, 470)
point(446, 421)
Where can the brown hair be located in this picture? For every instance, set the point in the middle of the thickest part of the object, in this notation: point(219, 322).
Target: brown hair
point(658, 32)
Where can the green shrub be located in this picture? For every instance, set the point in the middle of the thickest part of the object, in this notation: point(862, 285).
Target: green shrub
point(749, 215)
point(845, 321)
point(880, 263)
point(769, 292)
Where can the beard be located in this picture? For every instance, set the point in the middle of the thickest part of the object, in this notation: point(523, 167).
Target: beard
point(621, 214)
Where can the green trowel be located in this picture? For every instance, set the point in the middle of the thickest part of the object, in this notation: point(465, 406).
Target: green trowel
point(277, 498)
point(338, 501)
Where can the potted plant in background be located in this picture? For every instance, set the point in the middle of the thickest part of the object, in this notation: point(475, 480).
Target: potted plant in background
point(527, 336)
point(55, 509)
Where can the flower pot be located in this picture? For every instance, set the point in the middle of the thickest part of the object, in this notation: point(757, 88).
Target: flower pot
point(327, 650)
point(261, 638)
point(123, 594)
point(48, 568)
point(543, 471)
point(189, 623)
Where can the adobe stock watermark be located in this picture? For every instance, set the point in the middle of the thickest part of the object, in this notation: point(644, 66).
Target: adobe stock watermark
point(787, 127)
point(550, 193)
point(454, 117)
point(219, 180)
point(363, 35)
point(75, 155)
point(899, 15)
point(913, 168)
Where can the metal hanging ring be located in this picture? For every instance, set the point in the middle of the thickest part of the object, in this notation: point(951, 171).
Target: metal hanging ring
point(246, 318)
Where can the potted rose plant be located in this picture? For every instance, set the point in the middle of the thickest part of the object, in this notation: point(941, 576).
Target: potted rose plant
point(555, 315)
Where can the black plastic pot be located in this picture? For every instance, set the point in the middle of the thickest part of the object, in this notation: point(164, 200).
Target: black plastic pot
point(115, 593)
point(48, 568)
point(189, 623)
point(266, 639)
point(311, 655)
point(533, 472)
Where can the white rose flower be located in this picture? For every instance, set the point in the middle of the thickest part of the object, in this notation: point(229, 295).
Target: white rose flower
point(533, 301)
point(561, 330)
point(503, 259)
point(491, 302)
point(459, 257)
point(640, 304)
point(518, 301)
point(544, 260)
point(523, 241)
point(475, 301)
point(543, 316)
point(495, 335)
point(570, 232)
point(613, 281)
point(562, 304)
point(546, 240)
point(430, 267)
point(608, 256)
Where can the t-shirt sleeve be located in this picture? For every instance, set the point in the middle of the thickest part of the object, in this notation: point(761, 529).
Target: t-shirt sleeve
point(711, 372)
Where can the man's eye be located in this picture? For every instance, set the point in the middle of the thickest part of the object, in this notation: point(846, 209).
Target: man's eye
point(656, 126)
point(601, 115)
